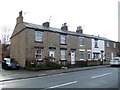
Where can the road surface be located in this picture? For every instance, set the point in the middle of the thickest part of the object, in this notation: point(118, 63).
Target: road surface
point(106, 77)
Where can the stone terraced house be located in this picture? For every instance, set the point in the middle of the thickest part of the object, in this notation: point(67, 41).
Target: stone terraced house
point(32, 42)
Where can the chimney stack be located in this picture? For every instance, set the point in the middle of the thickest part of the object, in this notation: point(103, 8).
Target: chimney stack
point(64, 27)
point(20, 18)
point(79, 29)
point(46, 24)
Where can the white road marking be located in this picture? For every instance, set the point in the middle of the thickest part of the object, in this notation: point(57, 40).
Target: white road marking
point(63, 84)
point(1, 79)
point(11, 75)
point(42, 74)
point(32, 78)
point(101, 75)
point(56, 75)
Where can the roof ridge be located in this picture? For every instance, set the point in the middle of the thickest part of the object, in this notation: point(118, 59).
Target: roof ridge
point(37, 26)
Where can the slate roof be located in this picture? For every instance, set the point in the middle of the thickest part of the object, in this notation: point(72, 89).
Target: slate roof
point(40, 27)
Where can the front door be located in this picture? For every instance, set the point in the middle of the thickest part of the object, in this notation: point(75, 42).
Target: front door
point(52, 53)
point(72, 57)
point(112, 56)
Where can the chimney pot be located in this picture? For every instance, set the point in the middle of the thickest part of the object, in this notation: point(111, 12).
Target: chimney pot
point(64, 27)
point(20, 13)
point(20, 18)
point(79, 29)
point(65, 24)
point(46, 24)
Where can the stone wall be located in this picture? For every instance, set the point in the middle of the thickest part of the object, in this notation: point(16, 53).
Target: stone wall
point(18, 45)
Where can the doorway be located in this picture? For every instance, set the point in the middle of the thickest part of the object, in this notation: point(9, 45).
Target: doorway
point(72, 57)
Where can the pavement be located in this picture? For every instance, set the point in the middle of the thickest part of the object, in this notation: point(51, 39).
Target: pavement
point(23, 74)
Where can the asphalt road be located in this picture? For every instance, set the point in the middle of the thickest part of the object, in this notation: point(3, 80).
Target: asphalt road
point(95, 78)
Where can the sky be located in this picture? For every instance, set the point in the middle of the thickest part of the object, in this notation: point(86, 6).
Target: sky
point(97, 17)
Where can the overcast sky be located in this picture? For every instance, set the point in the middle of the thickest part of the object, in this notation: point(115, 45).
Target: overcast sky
point(97, 17)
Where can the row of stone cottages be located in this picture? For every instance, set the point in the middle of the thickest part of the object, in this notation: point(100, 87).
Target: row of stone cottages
point(32, 42)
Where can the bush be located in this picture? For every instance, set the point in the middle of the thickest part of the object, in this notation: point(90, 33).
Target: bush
point(48, 59)
point(55, 65)
point(93, 63)
point(42, 67)
point(52, 65)
point(37, 68)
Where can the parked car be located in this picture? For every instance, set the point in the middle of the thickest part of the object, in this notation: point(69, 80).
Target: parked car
point(8, 63)
point(115, 61)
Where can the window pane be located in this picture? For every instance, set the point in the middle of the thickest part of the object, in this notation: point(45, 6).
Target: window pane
point(108, 55)
point(89, 56)
point(96, 55)
point(38, 36)
point(63, 55)
point(81, 55)
point(38, 54)
point(96, 43)
point(63, 39)
point(114, 45)
point(38, 51)
point(62, 52)
point(81, 41)
point(107, 44)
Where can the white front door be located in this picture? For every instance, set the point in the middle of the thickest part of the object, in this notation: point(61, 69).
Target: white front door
point(112, 56)
point(72, 57)
point(52, 53)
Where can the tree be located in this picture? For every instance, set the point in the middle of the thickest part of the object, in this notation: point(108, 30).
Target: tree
point(5, 35)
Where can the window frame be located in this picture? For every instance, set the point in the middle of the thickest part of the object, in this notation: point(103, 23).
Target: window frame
point(62, 39)
point(63, 55)
point(82, 54)
point(38, 36)
point(95, 43)
point(82, 41)
point(108, 44)
point(114, 45)
point(38, 54)
point(96, 56)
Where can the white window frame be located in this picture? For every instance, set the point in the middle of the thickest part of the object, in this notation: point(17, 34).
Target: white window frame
point(114, 45)
point(82, 54)
point(82, 41)
point(95, 43)
point(108, 45)
point(63, 39)
point(38, 54)
point(38, 36)
point(63, 54)
point(95, 56)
